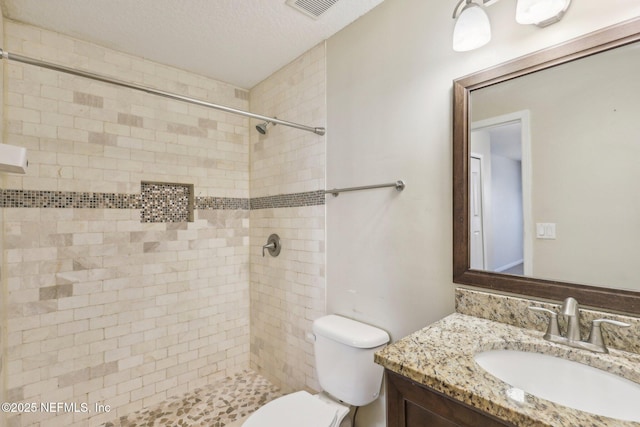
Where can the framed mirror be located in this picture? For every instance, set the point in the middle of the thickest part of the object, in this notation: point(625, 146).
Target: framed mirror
point(546, 170)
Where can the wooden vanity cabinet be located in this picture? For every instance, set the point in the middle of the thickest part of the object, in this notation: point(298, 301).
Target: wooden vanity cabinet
point(410, 404)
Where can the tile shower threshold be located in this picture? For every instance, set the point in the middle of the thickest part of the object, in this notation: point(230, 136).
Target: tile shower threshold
point(217, 405)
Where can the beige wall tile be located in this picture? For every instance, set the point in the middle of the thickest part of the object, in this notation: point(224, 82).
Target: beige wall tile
point(288, 292)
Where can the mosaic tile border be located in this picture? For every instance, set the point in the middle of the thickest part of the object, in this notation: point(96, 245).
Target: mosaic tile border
point(67, 199)
point(293, 200)
point(214, 203)
point(72, 199)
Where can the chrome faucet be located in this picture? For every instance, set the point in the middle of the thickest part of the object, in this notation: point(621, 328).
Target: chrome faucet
point(571, 310)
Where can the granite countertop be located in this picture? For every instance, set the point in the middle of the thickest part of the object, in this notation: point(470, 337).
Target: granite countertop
point(440, 356)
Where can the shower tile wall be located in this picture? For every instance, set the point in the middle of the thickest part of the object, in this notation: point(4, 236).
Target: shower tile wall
point(287, 170)
point(103, 308)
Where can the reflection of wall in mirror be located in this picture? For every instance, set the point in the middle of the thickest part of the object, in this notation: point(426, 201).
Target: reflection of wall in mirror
point(508, 250)
point(585, 138)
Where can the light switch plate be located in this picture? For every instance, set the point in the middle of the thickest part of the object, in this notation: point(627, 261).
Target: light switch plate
point(545, 230)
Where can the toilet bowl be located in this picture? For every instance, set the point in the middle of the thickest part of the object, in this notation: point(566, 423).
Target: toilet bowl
point(299, 409)
point(343, 350)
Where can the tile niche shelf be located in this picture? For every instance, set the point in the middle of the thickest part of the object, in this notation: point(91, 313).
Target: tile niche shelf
point(166, 202)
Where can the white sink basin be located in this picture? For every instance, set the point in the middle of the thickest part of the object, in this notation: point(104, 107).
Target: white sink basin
point(564, 382)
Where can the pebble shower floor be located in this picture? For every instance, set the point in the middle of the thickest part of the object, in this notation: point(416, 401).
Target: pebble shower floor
point(216, 405)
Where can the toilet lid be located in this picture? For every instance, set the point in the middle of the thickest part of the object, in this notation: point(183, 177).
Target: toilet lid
point(294, 410)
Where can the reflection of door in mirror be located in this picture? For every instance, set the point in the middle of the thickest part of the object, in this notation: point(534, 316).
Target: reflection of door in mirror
point(501, 221)
point(476, 214)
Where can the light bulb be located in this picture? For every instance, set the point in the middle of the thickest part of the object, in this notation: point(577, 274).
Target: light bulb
point(540, 12)
point(472, 29)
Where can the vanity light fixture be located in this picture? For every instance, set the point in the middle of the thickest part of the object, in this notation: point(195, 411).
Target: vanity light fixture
point(541, 12)
point(473, 30)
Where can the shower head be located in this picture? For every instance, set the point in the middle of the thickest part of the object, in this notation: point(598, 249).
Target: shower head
point(262, 127)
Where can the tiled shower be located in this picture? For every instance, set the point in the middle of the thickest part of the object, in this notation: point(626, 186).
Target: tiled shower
point(131, 254)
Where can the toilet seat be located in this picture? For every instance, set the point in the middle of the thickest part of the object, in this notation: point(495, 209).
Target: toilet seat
point(298, 409)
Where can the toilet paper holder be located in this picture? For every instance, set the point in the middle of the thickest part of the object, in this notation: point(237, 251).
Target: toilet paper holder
point(273, 245)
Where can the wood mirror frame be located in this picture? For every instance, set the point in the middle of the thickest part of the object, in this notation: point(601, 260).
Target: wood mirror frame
point(608, 298)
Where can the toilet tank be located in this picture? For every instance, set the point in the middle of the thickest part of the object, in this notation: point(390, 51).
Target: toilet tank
point(344, 351)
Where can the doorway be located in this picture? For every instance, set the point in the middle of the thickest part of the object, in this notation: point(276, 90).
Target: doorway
point(500, 194)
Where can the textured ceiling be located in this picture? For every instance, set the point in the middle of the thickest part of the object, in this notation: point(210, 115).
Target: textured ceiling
point(236, 41)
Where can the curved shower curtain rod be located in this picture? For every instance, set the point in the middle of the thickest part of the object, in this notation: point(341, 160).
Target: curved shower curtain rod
point(105, 79)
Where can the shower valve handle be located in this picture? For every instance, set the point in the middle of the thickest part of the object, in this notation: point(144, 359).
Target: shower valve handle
point(273, 245)
point(269, 246)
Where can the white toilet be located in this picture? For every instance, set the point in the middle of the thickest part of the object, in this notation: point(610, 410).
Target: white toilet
point(344, 362)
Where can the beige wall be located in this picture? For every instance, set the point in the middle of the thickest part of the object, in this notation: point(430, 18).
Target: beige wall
point(584, 146)
point(288, 292)
point(102, 307)
point(389, 103)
